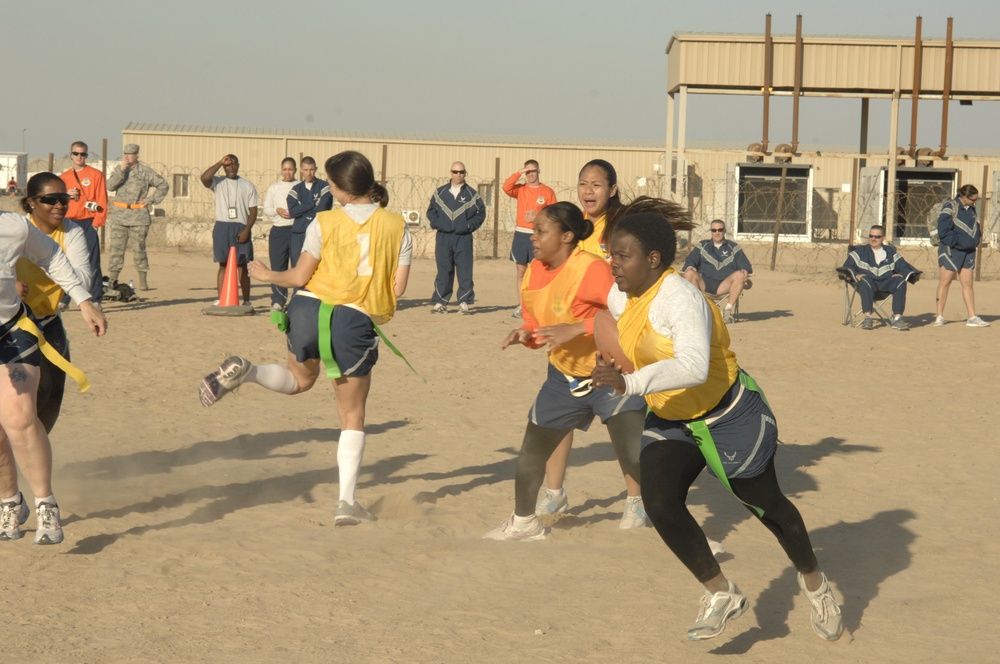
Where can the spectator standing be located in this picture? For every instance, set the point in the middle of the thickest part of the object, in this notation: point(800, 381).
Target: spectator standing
point(236, 204)
point(960, 234)
point(456, 212)
point(531, 197)
point(136, 187)
point(305, 200)
point(276, 212)
point(88, 207)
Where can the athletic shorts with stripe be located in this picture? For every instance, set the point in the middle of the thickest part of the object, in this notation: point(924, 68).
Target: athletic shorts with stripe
point(556, 408)
point(521, 251)
point(746, 433)
point(353, 340)
point(956, 259)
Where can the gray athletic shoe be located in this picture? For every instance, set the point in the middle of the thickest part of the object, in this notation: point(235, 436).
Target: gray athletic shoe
point(517, 313)
point(825, 618)
point(899, 324)
point(49, 528)
point(347, 514)
point(12, 517)
point(552, 502)
point(976, 321)
point(230, 375)
point(634, 515)
point(715, 610)
point(867, 323)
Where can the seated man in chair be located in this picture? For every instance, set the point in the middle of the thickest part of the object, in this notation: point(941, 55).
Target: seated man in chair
point(879, 267)
point(719, 266)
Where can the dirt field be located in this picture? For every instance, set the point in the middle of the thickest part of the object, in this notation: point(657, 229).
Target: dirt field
point(197, 535)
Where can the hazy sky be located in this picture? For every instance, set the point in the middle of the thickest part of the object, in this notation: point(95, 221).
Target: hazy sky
point(83, 70)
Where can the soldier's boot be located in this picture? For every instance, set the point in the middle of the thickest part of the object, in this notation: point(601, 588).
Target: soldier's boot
point(143, 285)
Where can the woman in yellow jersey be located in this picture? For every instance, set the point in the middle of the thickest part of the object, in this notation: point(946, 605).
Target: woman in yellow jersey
point(355, 263)
point(563, 289)
point(24, 443)
point(42, 295)
point(704, 410)
point(597, 191)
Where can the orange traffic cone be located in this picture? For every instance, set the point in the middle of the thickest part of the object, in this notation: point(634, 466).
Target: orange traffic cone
point(228, 294)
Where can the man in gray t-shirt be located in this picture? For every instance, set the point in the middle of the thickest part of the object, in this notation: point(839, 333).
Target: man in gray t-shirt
point(236, 204)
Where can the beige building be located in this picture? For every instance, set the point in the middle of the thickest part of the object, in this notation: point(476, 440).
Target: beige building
point(414, 165)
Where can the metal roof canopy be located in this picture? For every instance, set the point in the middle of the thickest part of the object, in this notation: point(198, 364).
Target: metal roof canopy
point(828, 66)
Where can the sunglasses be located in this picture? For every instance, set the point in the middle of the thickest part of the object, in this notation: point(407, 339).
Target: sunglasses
point(875, 237)
point(80, 154)
point(718, 230)
point(458, 172)
point(52, 199)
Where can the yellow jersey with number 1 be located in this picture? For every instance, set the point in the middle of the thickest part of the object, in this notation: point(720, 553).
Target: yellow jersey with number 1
point(358, 262)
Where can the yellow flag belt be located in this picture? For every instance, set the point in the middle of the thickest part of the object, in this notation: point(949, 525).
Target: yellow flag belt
point(51, 354)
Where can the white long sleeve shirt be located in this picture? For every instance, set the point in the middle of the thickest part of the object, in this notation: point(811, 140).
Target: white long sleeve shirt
point(18, 237)
point(277, 197)
point(680, 312)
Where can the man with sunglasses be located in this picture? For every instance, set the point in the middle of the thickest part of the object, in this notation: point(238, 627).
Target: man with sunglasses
point(136, 187)
point(456, 211)
point(88, 207)
point(879, 267)
point(531, 197)
point(718, 266)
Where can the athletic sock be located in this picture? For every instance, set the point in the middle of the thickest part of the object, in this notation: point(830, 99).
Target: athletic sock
point(47, 499)
point(273, 377)
point(350, 450)
point(559, 493)
point(522, 522)
point(729, 306)
point(16, 498)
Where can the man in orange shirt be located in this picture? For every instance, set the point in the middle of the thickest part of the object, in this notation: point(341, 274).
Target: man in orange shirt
point(531, 197)
point(88, 207)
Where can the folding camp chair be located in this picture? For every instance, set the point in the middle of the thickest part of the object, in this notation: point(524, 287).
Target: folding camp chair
point(856, 317)
point(721, 300)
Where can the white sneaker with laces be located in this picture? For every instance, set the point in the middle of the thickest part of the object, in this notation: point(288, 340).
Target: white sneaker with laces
point(634, 515)
point(12, 517)
point(939, 321)
point(507, 532)
point(439, 309)
point(716, 609)
point(49, 528)
point(825, 617)
point(976, 321)
point(463, 308)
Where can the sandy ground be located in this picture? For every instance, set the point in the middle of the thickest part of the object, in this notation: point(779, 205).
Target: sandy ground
point(196, 535)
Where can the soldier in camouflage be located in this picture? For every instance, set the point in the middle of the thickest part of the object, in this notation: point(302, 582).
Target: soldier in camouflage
point(136, 187)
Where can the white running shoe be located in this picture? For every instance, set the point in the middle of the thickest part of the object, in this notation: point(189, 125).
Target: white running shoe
point(634, 515)
point(463, 308)
point(939, 321)
point(976, 321)
point(49, 528)
point(12, 517)
point(439, 309)
point(508, 533)
point(552, 502)
point(716, 609)
point(717, 547)
point(230, 375)
point(347, 514)
point(825, 612)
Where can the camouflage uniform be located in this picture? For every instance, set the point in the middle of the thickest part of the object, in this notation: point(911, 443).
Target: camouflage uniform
point(132, 186)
